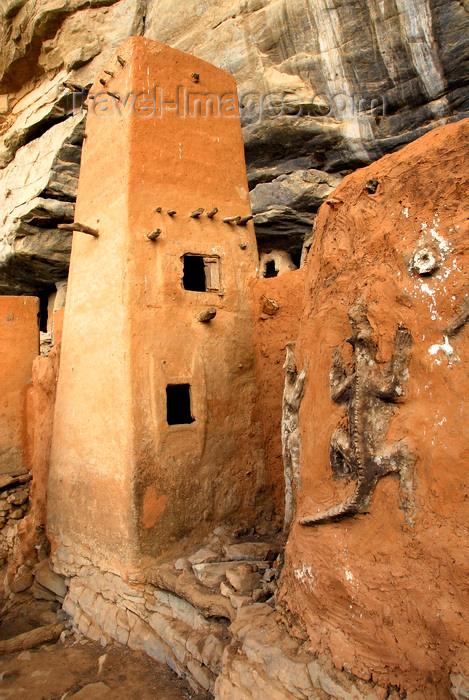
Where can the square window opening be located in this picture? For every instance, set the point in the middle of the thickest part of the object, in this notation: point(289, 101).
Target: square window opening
point(178, 404)
point(201, 273)
point(194, 274)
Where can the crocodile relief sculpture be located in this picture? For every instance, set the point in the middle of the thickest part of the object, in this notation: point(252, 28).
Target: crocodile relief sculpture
point(370, 394)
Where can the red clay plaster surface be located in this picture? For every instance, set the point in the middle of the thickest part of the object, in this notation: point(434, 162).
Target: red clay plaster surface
point(19, 345)
point(130, 328)
point(41, 409)
point(386, 598)
point(272, 333)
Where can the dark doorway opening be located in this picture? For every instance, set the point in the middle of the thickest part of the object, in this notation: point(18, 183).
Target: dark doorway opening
point(43, 310)
point(194, 274)
point(296, 258)
point(270, 270)
point(178, 404)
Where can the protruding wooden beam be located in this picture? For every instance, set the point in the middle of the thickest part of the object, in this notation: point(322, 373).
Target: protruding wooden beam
point(171, 212)
point(243, 221)
point(153, 235)
point(121, 60)
point(231, 219)
point(33, 638)
point(74, 87)
point(207, 315)
point(79, 227)
point(212, 212)
point(196, 213)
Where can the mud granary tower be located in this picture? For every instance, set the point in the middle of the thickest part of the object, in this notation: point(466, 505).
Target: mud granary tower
point(154, 436)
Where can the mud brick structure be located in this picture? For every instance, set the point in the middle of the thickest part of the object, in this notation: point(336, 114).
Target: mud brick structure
point(19, 345)
point(19, 331)
point(156, 392)
point(384, 421)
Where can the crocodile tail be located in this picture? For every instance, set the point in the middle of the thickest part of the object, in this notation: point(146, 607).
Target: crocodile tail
point(351, 506)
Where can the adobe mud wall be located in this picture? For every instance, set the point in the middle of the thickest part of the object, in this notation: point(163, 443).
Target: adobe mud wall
point(42, 408)
point(25, 497)
point(276, 306)
point(156, 188)
point(19, 345)
point(187, 178)
point(19, 333)
point(377, 558)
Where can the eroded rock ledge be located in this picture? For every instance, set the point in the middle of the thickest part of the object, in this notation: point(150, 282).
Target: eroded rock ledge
point(37, 192)
point(200, 614)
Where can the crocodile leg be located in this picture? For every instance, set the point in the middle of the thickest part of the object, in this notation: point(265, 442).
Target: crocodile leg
point(399, 460)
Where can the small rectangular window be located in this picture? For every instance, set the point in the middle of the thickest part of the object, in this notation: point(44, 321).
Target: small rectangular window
point(270, 269)
point(201, 273)
point(194, 273)
point(178, 404)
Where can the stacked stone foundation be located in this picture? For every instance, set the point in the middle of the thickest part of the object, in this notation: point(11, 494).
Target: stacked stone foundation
point(223, 642)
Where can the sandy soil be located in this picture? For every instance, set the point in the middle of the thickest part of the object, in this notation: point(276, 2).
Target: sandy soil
point(79, 668)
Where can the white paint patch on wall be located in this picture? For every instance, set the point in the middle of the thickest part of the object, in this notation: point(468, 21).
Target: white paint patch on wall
point(445, 348)
point(433, 288)
point(305, 576)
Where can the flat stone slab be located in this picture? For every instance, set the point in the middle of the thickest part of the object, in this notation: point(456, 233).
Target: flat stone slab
point(50, 580)
point(250, 551)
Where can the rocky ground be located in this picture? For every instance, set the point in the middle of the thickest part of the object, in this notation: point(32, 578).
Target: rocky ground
point(75, 667)
point(14, 493)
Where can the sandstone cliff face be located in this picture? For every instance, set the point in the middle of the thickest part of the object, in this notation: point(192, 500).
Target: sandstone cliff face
point(44, 44)
point(320, 58)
